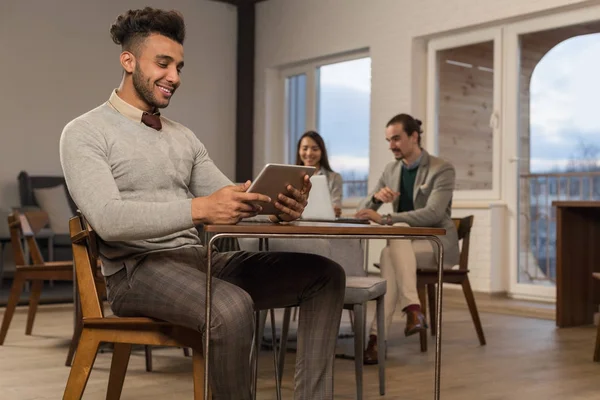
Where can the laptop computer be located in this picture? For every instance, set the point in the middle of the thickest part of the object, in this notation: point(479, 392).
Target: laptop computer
point(319, 206)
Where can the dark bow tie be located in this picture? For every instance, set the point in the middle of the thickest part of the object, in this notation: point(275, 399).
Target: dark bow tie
point(152, 120)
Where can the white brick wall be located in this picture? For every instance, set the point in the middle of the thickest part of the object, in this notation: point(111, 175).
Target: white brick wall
point(292, 31)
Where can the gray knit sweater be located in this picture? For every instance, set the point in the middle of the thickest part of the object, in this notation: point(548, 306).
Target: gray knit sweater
point(134, 184)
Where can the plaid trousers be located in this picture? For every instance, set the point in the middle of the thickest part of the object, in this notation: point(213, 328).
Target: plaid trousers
point(171, 286)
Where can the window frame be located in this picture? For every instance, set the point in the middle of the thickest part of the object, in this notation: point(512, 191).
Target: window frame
point(431, 137)
point(311, 70)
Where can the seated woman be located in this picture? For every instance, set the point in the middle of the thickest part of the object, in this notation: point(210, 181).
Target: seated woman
point(312, 152)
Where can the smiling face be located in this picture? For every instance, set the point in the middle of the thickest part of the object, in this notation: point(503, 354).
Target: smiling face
point(401, 144)
point(310, 152)
point(154, 71)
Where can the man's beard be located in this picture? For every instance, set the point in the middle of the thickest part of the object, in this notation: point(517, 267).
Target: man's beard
point(144, 89)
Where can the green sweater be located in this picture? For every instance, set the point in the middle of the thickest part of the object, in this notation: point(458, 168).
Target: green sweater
point(407, 185)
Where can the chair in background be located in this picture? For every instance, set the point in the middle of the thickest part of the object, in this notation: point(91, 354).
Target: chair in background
point(427, 279)
point(123, 332)
point(360, 289)
point(4, 240)
point(24, 227)
point(56, 245)
point(596, 275)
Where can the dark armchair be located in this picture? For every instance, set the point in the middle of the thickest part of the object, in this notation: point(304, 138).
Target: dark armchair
point(58, 246)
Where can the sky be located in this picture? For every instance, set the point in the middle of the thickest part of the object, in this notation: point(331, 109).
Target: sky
point(344, 107)
point(564, 102)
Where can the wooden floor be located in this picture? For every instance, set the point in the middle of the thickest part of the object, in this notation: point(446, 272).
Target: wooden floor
point(525, 359)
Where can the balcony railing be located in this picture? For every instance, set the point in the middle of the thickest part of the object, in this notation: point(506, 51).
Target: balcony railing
point(355, 188)
point(537, 219)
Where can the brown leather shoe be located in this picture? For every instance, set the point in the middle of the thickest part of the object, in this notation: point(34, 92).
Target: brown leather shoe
point(415, 323)
point(370, 356)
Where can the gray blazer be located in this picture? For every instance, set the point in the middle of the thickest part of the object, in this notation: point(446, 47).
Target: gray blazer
point(434, 186)
point(335, 183)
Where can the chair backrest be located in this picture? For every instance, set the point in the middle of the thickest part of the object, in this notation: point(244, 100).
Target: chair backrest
point(27, 184)
point(26, 225)
point(85, 256)
point(463, 227)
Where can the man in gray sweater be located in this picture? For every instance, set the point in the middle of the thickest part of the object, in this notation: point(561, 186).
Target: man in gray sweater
point(144, 182)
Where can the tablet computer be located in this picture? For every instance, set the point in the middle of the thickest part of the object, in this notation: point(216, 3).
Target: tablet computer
point(274, 179)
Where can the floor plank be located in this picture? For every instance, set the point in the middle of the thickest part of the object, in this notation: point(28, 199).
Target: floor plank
point(525, 359)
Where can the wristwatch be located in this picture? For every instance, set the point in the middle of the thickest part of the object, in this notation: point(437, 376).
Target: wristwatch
point(375, 201)
point(387, 219)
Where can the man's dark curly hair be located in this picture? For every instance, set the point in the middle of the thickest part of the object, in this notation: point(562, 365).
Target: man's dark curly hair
point(133, 26)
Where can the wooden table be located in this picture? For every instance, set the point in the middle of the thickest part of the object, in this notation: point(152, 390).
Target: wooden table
point(577, 257)
point(312, 230)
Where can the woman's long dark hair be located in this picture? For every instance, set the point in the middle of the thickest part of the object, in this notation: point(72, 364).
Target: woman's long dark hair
point(321, 143)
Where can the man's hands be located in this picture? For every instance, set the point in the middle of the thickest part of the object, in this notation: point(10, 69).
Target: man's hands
point(228, 205)
point(371, 215)
point(292, 207)
point(386, 195)
point(337, 210)
point(231, 204)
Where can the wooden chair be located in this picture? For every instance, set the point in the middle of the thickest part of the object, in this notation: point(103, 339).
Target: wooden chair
point(597, 349)
point(26, 226)
point(123, 332)
point(427, 279)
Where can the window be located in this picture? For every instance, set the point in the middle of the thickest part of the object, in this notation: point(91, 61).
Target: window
point(343, 120)
point(464, 109)
point(333, 98)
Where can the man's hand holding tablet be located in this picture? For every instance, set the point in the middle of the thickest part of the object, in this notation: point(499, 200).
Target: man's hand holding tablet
point(288, 186)
point(292, 204)
point(228, 205)
point(282, 201)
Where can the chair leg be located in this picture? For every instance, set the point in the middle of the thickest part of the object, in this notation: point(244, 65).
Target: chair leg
point(118, 369)
point(261, 327)
point(198, 374)
point(15, 294)
point(34, 299)
point(432, 301)
point(148, 354)
point(351, 315)
point(82, 366)
point(381, 343)
point(186, 352)
point(74, 341)
point(466, 285)
point(295, 316)
point(275, 358)
point(421, 291)
point(285, 329)
point(597, 349)
point(260, 319)
point(257, 340)
point(359, 348)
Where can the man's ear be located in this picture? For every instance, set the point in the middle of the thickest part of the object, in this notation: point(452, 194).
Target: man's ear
point(127, 61)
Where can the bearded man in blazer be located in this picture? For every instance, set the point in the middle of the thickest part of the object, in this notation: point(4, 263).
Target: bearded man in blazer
point(420, 187)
